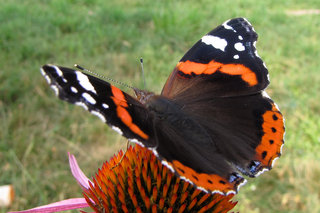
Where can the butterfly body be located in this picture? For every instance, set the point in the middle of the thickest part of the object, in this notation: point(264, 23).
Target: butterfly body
point(212, 121)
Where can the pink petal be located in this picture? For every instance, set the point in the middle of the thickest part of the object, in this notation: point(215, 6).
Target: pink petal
point(77, 172)
point(74, 203)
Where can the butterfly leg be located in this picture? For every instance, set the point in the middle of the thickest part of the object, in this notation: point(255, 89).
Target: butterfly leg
point(128, 142)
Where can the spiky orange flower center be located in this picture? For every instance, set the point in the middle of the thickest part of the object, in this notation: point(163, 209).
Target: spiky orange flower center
point(140, 183)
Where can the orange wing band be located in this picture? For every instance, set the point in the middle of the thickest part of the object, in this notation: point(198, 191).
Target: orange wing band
point(272, 140)
point(189, 67)
point(119, 100)
point(211, 182)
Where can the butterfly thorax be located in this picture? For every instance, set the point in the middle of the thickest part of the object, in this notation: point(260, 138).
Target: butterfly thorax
point(159, 105)
point(169, 113)
point(142, 95)
point(164, 108)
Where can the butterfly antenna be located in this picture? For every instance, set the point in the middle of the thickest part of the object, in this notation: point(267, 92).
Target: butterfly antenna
point(142, 70)
point(104, 77)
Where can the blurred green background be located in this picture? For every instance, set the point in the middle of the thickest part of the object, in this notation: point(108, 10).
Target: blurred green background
point(109, 37)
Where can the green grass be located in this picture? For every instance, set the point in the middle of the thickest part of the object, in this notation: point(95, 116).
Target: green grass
point(37, 130)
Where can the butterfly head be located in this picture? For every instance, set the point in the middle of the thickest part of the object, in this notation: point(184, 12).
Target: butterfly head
point(142, 95)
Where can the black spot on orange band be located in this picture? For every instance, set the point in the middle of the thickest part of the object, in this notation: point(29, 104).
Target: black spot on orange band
point(264, 154)
point(272, 139)
point(211, 182)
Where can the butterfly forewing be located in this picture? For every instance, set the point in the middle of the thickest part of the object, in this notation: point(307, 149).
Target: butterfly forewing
point(121, 111)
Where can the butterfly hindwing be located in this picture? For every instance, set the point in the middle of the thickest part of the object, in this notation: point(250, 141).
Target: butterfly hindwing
point(220, 82)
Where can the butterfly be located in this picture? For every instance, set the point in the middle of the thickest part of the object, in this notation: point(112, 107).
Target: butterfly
point(212, 123)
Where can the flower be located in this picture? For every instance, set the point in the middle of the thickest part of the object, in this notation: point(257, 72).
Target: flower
point(136, 181)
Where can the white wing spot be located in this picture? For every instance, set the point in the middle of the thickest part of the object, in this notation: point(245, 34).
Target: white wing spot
point(154, 152)
point(98, 114)
point(106, 106)
point(55, 89)
point(236, 56)
point(219, 192)
point(59, 72)
point(189, 181)
point(84, 82)
point(277, 107)
point(256, 53)
point(260, 172)
point(82, 105)
point(47, 79)
point(281, 148)
point(136, 141)
point(240, 37)
point(275, 159)
point(249, 24)
point(165, 163)
point(64, 80)
point(117, 129)
point(216, 42)
point(241, 184)
point(74, 90)
point(254, 44)
point(228, 27)
point(265, 94)
point(239, 46)
point(42, 72)
point(204, 190)
point(265, 66)
point(89, 98)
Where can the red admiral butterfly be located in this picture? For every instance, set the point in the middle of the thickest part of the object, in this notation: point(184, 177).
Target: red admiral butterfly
point(211, 121)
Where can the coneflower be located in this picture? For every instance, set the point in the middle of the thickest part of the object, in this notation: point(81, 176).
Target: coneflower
point(137, 182)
